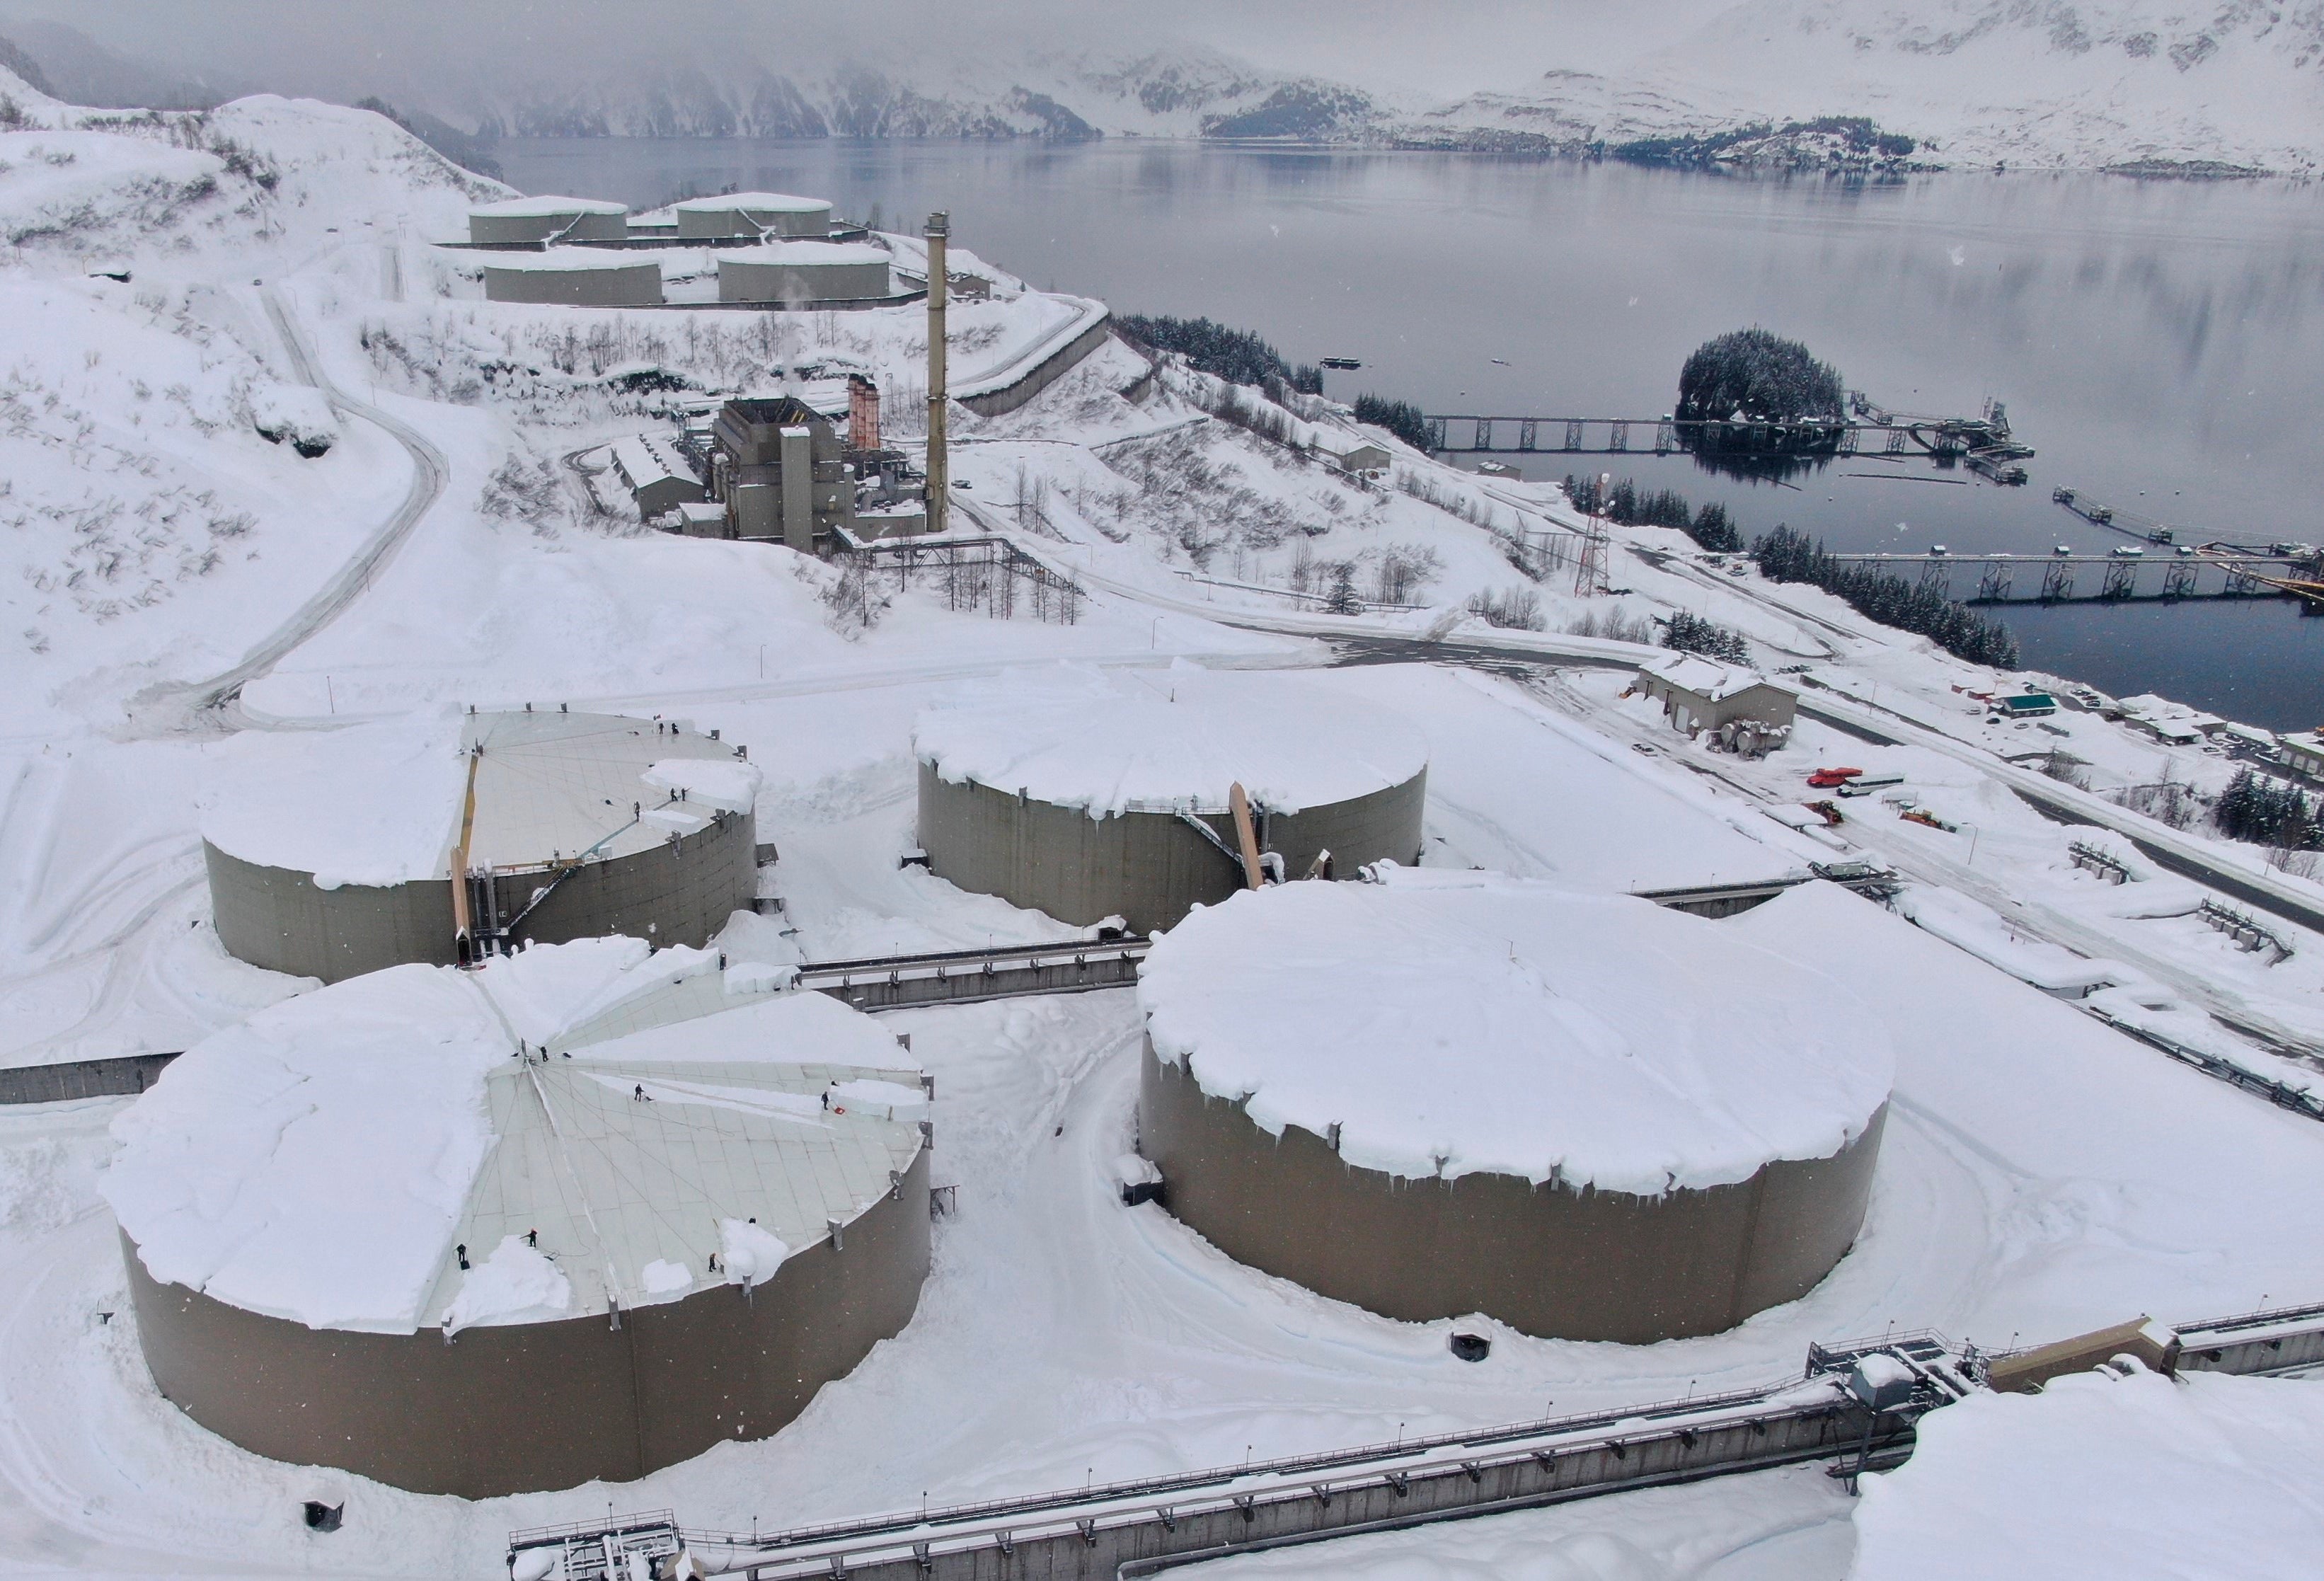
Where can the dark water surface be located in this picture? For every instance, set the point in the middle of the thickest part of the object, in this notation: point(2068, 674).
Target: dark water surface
point(2160, 344)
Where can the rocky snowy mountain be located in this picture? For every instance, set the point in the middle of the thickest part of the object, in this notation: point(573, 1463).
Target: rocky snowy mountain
point(2055, 84)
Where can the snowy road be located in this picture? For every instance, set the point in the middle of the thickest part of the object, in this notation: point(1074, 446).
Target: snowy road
point(174, 709)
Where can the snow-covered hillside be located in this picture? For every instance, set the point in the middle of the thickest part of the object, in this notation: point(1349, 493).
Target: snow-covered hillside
point(2041, 83)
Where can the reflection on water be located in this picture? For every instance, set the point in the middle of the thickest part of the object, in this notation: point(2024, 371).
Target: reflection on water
point(2160, 344)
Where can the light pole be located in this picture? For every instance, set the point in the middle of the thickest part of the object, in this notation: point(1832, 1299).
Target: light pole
point(1973, 832)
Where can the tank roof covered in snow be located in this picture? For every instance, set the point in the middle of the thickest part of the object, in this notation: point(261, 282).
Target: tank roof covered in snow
point(1449, 1024)
point(2135, 1478)
point(1155, 740)
point(571, 260)
point(528, 208)
point(326, 1161)
point(762, 202)
point(381, 803)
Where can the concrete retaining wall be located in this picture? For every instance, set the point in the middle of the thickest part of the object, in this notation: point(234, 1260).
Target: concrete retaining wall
point(275, 918)
point(617, 285)
point(1042, 375)
point(534, 1406)
point(1148, 868)
point(1547, 1260)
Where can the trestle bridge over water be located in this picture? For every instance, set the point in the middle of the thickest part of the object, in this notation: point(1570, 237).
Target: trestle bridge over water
point(2094, 578)
point(1983, 442)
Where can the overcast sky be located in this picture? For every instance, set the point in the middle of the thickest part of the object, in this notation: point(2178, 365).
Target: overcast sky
point(345, 47)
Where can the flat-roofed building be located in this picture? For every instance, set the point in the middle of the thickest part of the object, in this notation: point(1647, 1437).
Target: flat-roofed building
point(780, 471)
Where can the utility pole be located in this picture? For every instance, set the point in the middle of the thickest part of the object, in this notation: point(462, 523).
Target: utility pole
point(939, 473)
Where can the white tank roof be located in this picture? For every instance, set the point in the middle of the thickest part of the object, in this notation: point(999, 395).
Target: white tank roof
point(531, 207)
point(1166, 739)
point(755, 202)
point(1460, 1023)
point(323, 1162)
point(570, 260)
point(381, 803)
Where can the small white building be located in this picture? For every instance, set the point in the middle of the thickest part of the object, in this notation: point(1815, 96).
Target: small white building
point(1703, 694)
point(1360, 457)
point(2303, 750)
point(2172, 724)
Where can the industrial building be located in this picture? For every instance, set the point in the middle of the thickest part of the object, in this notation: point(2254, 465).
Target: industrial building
point(532, 221)
point(445, 836)
point(576, 1216)
point(657, 475)
point(1703, 694)
point(1589, 1117)
point(780, 471)
point(774, 216)
point(1088, 795)
point(574, 277)
point(805, 273)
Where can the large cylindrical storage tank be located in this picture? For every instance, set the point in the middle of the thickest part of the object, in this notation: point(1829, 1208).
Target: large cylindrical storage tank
point(574, 277)
point(332, 854)
point(1587, 1116)
point(772, 215)
point(519, 221)
point(576, 1216)
point(803, 272)
point(1089, 795)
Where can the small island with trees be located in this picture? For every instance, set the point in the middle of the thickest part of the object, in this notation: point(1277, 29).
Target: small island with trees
point(1752, 392)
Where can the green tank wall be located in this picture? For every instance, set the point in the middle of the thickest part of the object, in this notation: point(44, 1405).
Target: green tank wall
point(684, 893)
point(528, 1407)
point(1149, 868)
point(1547, 1258)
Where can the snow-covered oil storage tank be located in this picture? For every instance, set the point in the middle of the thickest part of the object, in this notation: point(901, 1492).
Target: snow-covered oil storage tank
point(333, 855)
point(1089, 795)
point(804, 273)
point(581, 1214)
point(575, 277)
point(772, 215)
point(518, 220)
point(1590, 1117)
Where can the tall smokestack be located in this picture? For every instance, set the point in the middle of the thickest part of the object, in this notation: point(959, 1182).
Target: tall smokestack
point(862, 413)
point(939, 481)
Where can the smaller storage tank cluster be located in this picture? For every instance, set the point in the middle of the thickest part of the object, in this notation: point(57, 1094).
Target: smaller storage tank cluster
point(580, 1215)
point(805, 273)
point(1089, 795)
point(575, 277)
point(1446, 1093)
point(334, 855)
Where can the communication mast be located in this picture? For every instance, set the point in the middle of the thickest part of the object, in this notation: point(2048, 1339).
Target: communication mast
point(1590, 575)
